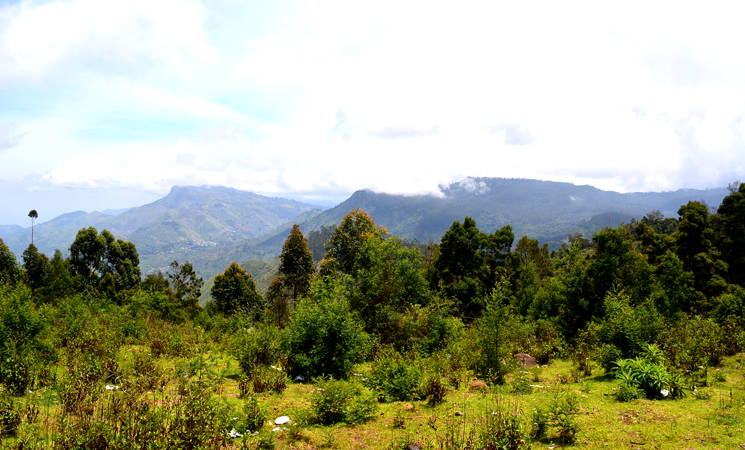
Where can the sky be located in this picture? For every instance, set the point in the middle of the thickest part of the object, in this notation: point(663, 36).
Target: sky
point(107, 104)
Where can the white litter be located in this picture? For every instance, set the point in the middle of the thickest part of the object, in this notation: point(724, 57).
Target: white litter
point(281, 420)
point(111, 387)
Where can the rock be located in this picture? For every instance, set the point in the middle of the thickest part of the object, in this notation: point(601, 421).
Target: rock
point(408, 407)
point(479, 386)
point(458, 413)
point(281, 420)
point(300, 378)
point(526, 360)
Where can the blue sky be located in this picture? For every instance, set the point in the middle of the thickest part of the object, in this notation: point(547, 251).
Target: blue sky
point(107, 104)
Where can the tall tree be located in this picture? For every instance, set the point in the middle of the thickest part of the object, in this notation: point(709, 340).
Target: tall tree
point(186, 285)
point(694, 238)
point(296, 266)
point(732, 233)
point(10, 271)
point(345, 243)
point(36, 265)
point(33, 215)
point(234, 291)
point(92, 256)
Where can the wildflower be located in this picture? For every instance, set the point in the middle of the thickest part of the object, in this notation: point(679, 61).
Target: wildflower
point(234, 434)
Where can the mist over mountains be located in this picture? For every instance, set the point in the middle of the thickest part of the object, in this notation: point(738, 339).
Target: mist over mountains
point(212, 226)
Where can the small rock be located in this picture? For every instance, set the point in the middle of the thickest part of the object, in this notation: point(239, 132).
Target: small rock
point(281, 420)
point(300, 378)
point(478, 385)
point(458, 413)
point(408, 407)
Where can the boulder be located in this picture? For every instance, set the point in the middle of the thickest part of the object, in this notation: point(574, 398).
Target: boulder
point(526, 360)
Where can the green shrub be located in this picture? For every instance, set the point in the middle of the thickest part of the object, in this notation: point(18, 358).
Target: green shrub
point(258, 347)
point(647, 376)
point(254, 416)
point(489, 349)
point(266, 379)
point(502, 429)
point(323, 337)
point(434, 390)
point(394, 377)
point(11, 415)
point(335, 401)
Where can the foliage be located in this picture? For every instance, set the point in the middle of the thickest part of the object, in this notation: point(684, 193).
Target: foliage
point(336, 401)
point(394, 377)
point(10, 271)
point(346, 241)
point(323, 337)
point(489, 338)
point(235, 291)
point(93, 256)
point(296, 267)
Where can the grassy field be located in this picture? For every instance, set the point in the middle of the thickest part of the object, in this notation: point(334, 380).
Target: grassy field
point(712, 417)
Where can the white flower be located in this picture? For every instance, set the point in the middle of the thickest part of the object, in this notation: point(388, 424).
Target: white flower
point(234, 434)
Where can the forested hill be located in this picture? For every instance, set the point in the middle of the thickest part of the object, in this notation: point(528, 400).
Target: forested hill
point(212, 226)
point(186, 219)
point(544, 210)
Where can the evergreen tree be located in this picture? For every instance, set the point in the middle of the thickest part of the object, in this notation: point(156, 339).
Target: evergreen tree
point(296, 266)
point(186, 286)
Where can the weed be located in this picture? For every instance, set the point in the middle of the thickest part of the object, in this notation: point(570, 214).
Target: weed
point(434, 390)
point(254, 417)
point(336, 401)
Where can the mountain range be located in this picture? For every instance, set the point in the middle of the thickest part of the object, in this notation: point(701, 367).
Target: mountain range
point(212, 226)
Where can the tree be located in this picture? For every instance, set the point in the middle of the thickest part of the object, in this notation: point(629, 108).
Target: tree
point(10, 271)
point(92, 256)
point(296, 266)
point(57, 282)
point(345, 243)
point(695, 245)
point(390, 281)
point(234, 291)
point(186, 285)
point(732, 233)
point(36, 265)
point(33, 215)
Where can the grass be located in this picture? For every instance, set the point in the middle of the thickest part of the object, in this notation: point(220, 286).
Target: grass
point(713, 419)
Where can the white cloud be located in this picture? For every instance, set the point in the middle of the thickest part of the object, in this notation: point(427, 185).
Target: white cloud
point(397, 97)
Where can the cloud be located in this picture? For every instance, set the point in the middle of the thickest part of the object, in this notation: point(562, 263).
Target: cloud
point(404, 132)
point(9, 137)
point(514, 134)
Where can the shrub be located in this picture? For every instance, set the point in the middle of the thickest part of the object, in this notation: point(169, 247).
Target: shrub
point(254, 416)
point(258, 347)
point(266, 379)
point(490, 352)
point(10, 415)
point(501, 429)
point(647, 375)
point(323, 337)
point(434, 390)
point(394, 377)
point(335, 401)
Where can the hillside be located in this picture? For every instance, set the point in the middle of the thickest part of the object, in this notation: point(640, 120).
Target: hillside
point(186, 220)
point(212, 226)
point(544, 210)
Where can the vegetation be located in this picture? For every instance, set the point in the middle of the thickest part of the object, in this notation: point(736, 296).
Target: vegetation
point(633, 335)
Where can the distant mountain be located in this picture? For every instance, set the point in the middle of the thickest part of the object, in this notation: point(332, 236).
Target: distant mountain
point(187, 219)
point(9, 230)
point(544, 210)
point(212, 226)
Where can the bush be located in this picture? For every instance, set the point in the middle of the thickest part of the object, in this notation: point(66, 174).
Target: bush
point(394, 377)
point(258, 347)
point(647, 375)
point(434, 390)
point(490, 351)
point(323, 337)
point(336, 401)
point(266, 379)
